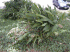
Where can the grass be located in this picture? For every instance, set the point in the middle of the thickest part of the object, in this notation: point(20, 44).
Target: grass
point(60, 43)
point(5, 26)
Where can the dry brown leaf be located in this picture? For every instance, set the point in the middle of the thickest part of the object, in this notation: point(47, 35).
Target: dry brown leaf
point(60, 26)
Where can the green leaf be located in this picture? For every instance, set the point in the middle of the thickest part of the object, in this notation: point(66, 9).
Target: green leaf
point(30, 16)
point(54, 27)
point(30, 39)
point(39, 21)
point(39, 40)
point(40, 16)
point(46, 28)
point(44, 19)
point(23, 36)
point(49, 12)
point(63, 15)
point(51, 22)
point(48, 34)
point(34, 41)
point(36, 25)
point(35, 8)
point(44, 24)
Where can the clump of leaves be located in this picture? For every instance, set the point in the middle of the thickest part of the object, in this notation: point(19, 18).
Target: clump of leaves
point(41, 24)
point(12, 8)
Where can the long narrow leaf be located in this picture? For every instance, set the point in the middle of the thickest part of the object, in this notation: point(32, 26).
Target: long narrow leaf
point(30, 39)
point(54, 27)
point(46, 28)
point(44, 24)
point(39, 40)
point(44, 19)
point(40, 16)
point(49, 12)
point(34, 41)
point(36, 25)
point(20, 38)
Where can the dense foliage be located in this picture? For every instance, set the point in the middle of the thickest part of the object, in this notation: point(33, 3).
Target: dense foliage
point(41, 24)
point(13, 7)
point(38, 25)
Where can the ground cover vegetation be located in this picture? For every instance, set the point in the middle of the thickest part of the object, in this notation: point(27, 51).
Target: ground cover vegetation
point(33, 27)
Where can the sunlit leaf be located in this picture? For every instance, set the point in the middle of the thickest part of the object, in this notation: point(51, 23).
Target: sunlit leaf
point(44, 24)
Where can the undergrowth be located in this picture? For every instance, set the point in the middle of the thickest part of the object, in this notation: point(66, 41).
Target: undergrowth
point(39, 29)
